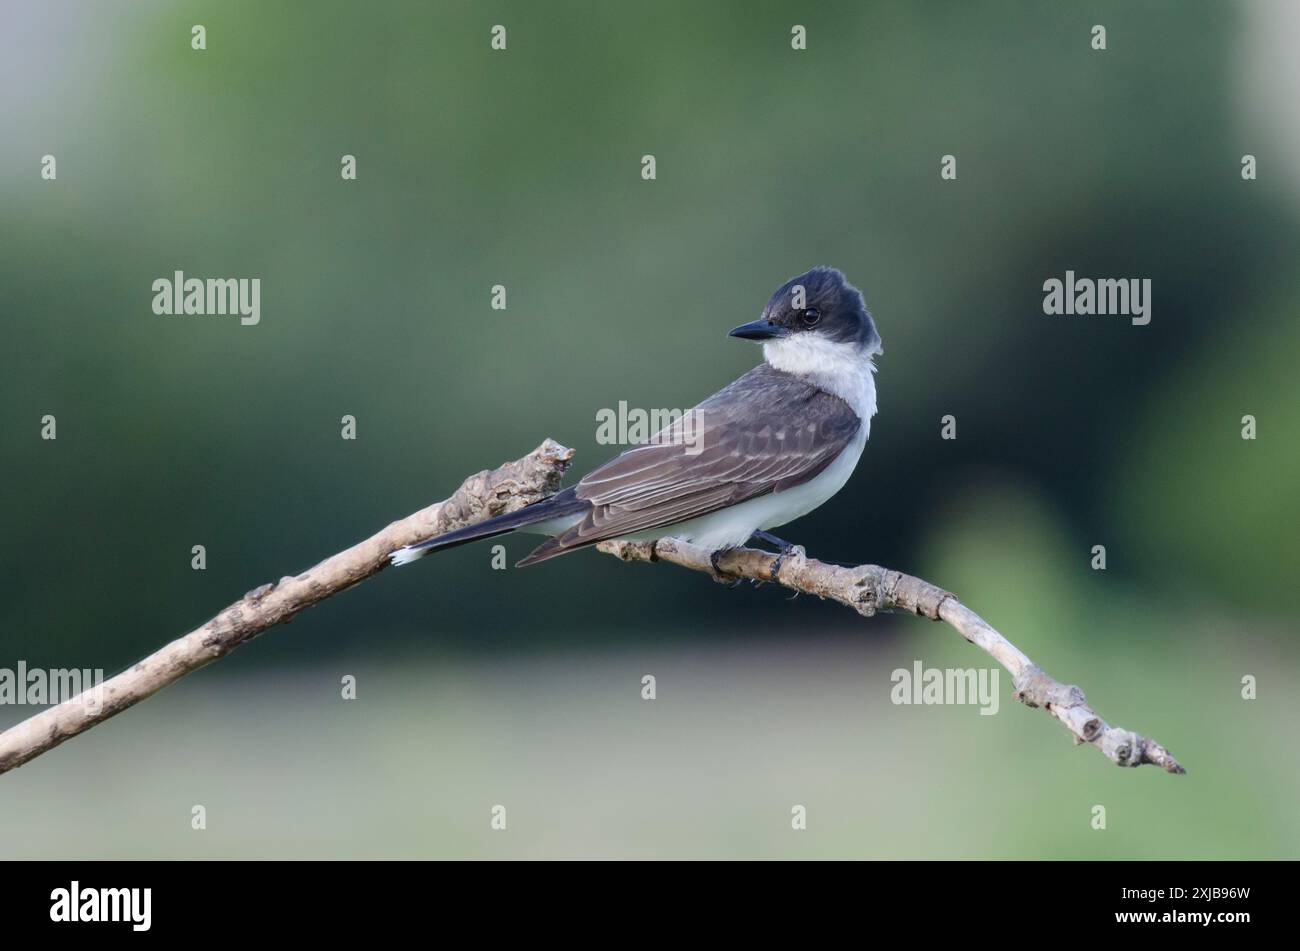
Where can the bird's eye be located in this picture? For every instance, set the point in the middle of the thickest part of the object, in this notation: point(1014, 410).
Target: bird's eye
point(810, 317)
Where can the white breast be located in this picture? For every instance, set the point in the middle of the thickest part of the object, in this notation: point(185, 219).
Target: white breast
point(839, 368)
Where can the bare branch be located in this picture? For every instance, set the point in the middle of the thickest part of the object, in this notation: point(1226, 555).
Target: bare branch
point(512, 486)
point(868, 589)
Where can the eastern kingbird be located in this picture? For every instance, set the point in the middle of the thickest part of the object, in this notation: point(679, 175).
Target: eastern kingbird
point(770, 447)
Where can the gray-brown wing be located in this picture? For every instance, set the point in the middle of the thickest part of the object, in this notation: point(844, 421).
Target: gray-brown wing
point(766, 432)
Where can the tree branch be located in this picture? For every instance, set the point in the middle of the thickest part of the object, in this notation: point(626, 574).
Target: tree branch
point(512, 486)
point(869, 589)
point(866, 589)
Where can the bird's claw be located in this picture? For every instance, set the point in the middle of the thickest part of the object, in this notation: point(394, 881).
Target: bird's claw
point(774, 571)
point(720, 576)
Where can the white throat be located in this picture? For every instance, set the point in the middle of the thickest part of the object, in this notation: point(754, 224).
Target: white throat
point(840, 368)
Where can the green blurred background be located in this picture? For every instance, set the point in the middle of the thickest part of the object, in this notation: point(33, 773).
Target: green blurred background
point(522, 167)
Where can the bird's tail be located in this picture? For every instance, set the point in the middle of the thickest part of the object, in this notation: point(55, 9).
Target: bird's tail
point(559, 505)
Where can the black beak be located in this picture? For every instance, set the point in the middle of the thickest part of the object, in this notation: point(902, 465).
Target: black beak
point(759, 330)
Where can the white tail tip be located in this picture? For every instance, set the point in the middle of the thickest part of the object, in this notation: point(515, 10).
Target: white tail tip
point(404, 556)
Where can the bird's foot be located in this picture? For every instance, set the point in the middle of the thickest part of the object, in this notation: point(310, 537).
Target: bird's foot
point(785, 549)
point(795, 550)
point(720, 576)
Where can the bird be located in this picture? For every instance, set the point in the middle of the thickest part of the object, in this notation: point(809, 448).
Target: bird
point(769, 447)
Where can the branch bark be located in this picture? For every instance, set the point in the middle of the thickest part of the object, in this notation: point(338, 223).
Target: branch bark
point(509, 487)
point(869, 589)
point(866, 589)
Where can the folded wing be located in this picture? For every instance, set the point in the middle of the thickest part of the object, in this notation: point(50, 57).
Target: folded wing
point(766, 432)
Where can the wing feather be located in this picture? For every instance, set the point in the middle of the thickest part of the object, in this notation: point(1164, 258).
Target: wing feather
point(767, 432)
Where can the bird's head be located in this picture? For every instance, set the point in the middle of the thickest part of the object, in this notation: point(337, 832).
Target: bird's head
point(818, 310)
